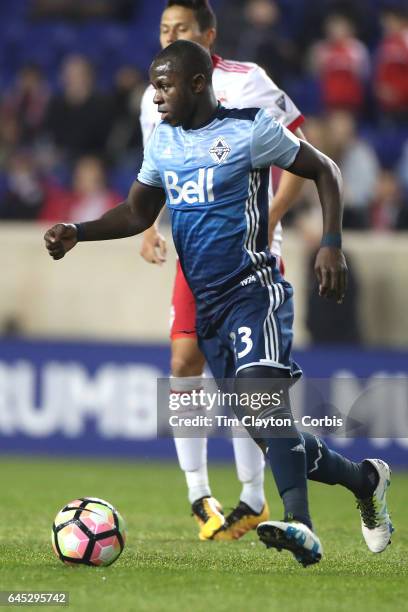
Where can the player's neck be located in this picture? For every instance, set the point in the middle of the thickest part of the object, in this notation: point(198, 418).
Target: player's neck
point(204, 113)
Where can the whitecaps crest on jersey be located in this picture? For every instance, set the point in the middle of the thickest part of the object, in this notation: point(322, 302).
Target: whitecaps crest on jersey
point(220, 150)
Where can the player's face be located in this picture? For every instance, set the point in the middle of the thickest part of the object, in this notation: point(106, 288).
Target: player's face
point(173, 96)
point(179, 23)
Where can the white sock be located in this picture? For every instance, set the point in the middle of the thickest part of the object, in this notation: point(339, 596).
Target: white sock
point(197, 483)
point(185, 384)
point(192, 452)
point(250, 464)
point(192, 456)
point(253, 494)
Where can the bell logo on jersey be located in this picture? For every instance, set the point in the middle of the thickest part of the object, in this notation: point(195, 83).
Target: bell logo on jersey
point(191, 192)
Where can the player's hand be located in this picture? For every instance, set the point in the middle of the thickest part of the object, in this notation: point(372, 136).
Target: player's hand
point(60, 239)
point(154, 247)
point(331, 271)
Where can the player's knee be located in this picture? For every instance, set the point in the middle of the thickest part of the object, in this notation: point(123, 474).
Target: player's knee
point(262, 379)
point(186, 358)
point(262, 372)
point(186, 365)
point(183, 367)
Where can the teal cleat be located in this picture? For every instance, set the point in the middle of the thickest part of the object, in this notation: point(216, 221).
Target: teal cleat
point(293, 536)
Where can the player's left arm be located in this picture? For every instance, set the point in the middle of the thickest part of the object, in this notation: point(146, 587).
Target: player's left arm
point(288, 190)
point(330, 265)
point(259, 90)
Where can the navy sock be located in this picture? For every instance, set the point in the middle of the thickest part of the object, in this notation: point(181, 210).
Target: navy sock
point(295, 502)
point(288, 463)
point(327, 466)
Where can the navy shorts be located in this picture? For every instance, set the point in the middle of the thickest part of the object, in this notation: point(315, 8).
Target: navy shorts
point(255, 329)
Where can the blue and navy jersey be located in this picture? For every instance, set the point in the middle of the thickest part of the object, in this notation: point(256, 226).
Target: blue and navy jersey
point(216, 181)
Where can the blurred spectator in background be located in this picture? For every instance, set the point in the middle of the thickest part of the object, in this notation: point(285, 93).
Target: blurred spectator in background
point(389, 210)
point(90, 197)
point(78, 121)
point(231, 20)
point(89, 194)
point(359, 166)
point(342, 64)
point(313, 15)
point(9, 137)
point(26, 102)
point(78, 10)
point(25, 191)
point(391, 77)
point(126, 135)
point(261, 40)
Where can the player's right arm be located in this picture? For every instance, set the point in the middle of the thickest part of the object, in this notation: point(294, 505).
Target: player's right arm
point(131, 217)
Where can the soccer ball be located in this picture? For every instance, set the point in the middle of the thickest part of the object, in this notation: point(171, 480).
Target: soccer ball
point(88, 531)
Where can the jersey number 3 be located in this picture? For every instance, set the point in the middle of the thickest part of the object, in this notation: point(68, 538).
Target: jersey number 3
point(245, 337)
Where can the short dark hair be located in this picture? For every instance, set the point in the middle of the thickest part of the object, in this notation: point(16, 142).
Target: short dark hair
point(189, 58)
point(203, 12)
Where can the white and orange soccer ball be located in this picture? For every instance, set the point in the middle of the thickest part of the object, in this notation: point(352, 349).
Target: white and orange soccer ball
point(88, 531)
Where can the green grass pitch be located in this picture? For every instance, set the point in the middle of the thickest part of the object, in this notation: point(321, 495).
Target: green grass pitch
point(164, 567)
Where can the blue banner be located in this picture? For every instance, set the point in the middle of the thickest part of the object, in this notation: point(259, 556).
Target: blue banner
point(95, 399)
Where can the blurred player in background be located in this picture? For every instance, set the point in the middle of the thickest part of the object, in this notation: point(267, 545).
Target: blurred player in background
point(236, 85)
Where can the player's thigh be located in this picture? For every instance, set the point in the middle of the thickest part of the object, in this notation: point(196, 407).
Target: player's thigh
point(186, 357)
point(261, 327)
point(219, 358)
point(183, 309)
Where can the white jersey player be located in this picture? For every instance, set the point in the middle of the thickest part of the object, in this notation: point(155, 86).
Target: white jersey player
point(239, 85)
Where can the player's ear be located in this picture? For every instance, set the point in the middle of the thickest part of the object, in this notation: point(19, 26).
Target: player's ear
point(210, 36)
point(199, 83)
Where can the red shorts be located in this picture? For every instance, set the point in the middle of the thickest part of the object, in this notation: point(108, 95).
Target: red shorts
point(183, 308)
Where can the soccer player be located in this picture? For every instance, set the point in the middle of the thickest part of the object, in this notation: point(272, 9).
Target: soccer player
point(219, 210)
point(236, 85)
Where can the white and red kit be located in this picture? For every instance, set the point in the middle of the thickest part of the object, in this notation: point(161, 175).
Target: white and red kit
point(236, 85)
